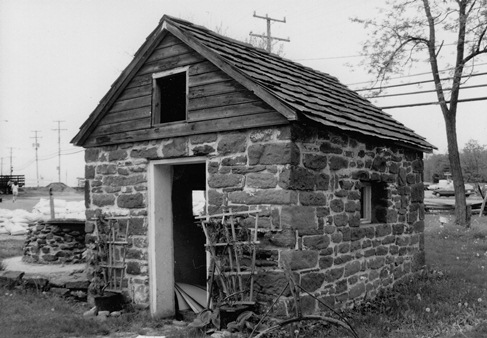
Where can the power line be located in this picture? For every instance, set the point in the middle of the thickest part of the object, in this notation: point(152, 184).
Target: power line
point(418, 74)
point(425, 91)
point(416, 83)
point(433, 103)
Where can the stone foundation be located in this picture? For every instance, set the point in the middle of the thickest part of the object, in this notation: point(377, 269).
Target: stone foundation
point(55, 242)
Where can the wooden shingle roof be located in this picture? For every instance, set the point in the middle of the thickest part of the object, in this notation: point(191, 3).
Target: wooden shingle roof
point(291, 88)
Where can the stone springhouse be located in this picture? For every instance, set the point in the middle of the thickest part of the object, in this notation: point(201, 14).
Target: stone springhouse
point(339, 182)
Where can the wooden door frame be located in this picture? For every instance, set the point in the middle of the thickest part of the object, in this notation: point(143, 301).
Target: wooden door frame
point(160, 234)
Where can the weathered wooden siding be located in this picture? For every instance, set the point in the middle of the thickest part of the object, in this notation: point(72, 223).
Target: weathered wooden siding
point(216, 102)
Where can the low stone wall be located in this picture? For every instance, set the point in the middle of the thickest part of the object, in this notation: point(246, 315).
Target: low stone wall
point(55, 242)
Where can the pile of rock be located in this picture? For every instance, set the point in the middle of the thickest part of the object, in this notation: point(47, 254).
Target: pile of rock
point(55, 241)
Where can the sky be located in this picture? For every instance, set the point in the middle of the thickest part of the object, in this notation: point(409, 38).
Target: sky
point(58, 58)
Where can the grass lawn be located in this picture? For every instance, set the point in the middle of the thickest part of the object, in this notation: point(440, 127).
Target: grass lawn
point(449, 299)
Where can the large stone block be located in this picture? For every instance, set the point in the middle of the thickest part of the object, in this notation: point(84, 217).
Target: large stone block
point(150, 153)
point(284, 239)
point(261, 180)
point(232, 144)
point(117, 155)
point(274, 153)
point(312, 281)
point(334, 274)
point(299, 218)
point(312, 198)
point(417, 192)
point(91, 155)
point(322, 181)
point(90, 172)
point(315, 161)
point(203, 150)
point(137, 226)
point(263, 197)
point(204, 138)
point(356, 291)
point(299, 260)
point(133, 268)
point(102, 200)
point(176, 148)
point(106, 169)
point(271, 283)
point(338, 163)
point(131, 201)
point(296, 178)
point(316, 242)
point(226, 181)
point(340, 220)
point(379, 164)
point(337, 205)
point(328, 148)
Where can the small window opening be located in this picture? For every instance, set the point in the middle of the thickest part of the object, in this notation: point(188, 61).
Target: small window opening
point(373, 200)
point(169, 98)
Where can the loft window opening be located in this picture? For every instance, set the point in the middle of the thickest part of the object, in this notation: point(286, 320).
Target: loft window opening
point(373, 202)
point(169, 96)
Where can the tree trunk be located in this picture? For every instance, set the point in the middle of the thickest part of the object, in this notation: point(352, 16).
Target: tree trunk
point(456, 170)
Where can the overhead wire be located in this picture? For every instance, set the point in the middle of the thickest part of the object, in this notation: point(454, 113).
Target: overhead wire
point(416, 82)
point(424, 91)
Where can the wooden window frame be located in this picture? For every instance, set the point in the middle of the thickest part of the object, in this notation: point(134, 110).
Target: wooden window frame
point(156, 98)
point(366, 203)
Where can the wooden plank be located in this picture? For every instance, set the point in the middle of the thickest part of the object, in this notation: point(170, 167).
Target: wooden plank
point(169, 40)
point(221, 100)
point(164, 52)
point(217, 88)
point(126, 115)
point(139, 102)
point(248, 108)
point(140, 80)
point(171, 63)
point(119, 127)
point(187, 129)
point(207, 78)
point(136, 91)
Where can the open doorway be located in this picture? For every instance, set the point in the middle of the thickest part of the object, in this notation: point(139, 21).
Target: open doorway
point(176, 243)
point(189, 181)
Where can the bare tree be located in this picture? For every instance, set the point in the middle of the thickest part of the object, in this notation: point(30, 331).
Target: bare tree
point(408, 29)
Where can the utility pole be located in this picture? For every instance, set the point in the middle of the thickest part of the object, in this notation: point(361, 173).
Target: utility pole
point(36, 146)
point(11, 166)
point(59, 147)
point(269, 37)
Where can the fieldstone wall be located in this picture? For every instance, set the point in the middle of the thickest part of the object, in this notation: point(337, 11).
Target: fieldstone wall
point(55, 242)
point(307, 184)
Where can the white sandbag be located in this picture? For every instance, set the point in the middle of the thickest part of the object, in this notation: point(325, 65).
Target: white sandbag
point(17, 219)
point(15, 229)
point(5, 213)
point(3, 231)
point(42, 203)
point(43, 210)
point(20, 213)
